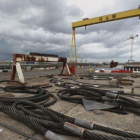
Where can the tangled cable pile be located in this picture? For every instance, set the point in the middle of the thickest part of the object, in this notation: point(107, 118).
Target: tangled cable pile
point(47, 122)
point(102, 76)
point(67, 84)
point(40, 95)
point(72, 95)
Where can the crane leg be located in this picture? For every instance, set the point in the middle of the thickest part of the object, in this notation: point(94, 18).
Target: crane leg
point(75, 47)
point(71, 46)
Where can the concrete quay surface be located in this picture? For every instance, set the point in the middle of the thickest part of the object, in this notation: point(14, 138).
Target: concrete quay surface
point(129, 122)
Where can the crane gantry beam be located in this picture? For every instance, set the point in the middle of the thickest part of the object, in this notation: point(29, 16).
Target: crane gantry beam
point(98, 20)
point(107, 18)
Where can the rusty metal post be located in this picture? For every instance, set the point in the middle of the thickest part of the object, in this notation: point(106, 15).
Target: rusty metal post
point(13, 72)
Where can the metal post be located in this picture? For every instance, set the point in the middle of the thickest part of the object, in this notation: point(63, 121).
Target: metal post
point(19, 72)
point(13, 72)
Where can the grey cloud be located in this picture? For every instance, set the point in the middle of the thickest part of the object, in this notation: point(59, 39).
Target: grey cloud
point(45, 26)
point(52, 16)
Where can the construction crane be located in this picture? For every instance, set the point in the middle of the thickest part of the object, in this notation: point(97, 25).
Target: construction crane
point(132, 42)
point(98, 20)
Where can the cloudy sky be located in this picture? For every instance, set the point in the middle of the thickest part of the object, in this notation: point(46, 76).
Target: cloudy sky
point(44, 26)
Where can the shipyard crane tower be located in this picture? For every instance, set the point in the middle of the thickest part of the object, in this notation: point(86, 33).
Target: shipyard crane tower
point(132, 42)
point(98, 20)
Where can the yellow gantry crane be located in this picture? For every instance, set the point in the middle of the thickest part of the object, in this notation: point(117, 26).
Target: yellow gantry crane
point(132, 42)
point(98, 20)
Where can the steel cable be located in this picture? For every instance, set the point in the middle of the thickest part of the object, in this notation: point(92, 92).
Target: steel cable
point(76, 96)
point(39, 94)
point(43, 120)
point(19, 112)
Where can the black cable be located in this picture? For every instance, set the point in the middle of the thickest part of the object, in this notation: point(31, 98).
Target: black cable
point(79, 83)
point(44, 120)
point(58, 121)
point(18, 131)
point(76, 96)
point(115, 131)
point(39, 95)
